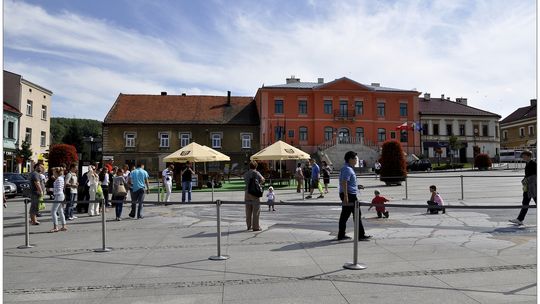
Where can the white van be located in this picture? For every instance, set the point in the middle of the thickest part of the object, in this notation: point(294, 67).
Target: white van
point(510, 155)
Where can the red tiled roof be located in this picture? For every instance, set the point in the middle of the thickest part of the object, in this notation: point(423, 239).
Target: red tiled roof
point(438, 106)
point(527, 112)
point(10, 108)
point(178, 109)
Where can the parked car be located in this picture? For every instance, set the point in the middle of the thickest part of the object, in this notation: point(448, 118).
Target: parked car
point(19, 180)
point(10, 189)
point(419, 165)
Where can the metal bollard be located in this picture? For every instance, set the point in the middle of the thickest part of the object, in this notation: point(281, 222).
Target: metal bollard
point(158, 190)
point(218, 257)
point(354, 265)
point(103, 249)
point(406, 189)
point(461, 176)
point(26, 228)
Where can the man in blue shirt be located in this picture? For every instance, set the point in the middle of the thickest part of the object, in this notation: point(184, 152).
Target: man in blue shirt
point(315, 175)
point(347, 194)
point(137, 180)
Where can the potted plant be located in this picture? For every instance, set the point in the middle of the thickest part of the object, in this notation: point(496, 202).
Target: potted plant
point(393, 166)
point(482, 161)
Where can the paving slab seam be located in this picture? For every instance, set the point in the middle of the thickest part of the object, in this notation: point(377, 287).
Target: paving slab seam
point(237, 282)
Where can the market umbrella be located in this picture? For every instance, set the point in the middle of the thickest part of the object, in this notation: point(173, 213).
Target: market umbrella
point(196, 153)
point(280, 151)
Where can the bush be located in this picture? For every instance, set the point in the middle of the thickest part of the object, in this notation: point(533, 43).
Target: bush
point(482, 161)
point(62, 154)
point(393, 165)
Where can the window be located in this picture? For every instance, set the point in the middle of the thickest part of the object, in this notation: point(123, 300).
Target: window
point(425, 129)
point(302, 133)
point(381, 135)
point(28, 135)
point(531, 130)
point(484, 130)
point(302, 107)
point(130, 140)
point(404, 136)
point(392, 135)
point(360, 134)
point(29, 107)
point(359, 108)
point(278, 107)
point(328, 133)
point(435, 129)
point(505, 135)
point(449, 131)
point(43, 139)
point(462, 130)
point(521, 132)
point(279, 132)
point(402, 109)
point(380, 108)
point(11, 130)
point(44, 112)
point(184, 139)
point(246, 141)
point(216, 140)
point(163, 139)
point(291, 133)
point(327, 107)
point(343, 107)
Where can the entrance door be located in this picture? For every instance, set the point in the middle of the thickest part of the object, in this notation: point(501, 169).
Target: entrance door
point(463, 155)
point(343, 135)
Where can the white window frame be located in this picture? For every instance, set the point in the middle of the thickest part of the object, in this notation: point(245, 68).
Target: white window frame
point(184, 136)
point(531, 130)
point(521, 132)
point(28, 135)
point(505, 134)
point(164, 139)
point(43, 112)
point(216, 139)
point(29, 107)
point(383, 103)
point(130, 139)
point(303, 133)
point(43, 139)
point(246, 138)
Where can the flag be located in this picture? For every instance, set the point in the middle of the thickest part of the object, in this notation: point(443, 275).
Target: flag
point(403, 126)
point(413, 126)
point(419, 127)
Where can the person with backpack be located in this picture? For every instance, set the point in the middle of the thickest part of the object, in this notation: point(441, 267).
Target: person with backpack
point(119, 192)
point(252, 195)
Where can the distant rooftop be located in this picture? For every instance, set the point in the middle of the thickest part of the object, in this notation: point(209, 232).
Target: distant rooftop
point(441, 106)
point(522, 113)
point(295, 83)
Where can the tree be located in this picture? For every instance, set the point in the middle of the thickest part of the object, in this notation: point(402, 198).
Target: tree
point(62, 154)
point(72, 131)
point(24, 153)
point(455, 144)
point(393, 166)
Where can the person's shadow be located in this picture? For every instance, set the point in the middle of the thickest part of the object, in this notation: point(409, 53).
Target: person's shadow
point(308, 245)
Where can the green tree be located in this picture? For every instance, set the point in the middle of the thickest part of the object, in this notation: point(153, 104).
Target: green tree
point(72, 131)
point(24, 152)
point(455, 144)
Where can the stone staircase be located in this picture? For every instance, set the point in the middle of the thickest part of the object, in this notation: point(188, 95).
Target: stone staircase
point(333, 151)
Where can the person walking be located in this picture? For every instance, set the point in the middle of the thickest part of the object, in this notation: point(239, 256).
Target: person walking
point(83, 194)
point(378, 201)
point(36, 192)
point(253, 210)
point(58, 191)
point(104, 179)
point(71, 189)
point(377, 168)
point(168, 174)
point(119, 193)
point(326, 175)
point(186, 174)
point(315, 179)
point(307, 176)
point(137, 181)
point(347, 194)
point(93, 182)
point(299, 176)
point(528, 185)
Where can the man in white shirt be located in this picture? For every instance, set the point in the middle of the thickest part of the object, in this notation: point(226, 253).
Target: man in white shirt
point(167, 181)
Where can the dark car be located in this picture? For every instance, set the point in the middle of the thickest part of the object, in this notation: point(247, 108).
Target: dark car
point(19, 180)
point(419, 165)
point(10, 189)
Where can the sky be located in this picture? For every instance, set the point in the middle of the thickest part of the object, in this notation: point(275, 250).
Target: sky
point(88, 52)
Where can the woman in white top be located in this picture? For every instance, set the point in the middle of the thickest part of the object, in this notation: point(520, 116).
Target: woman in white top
point(59, 197)
point(93, 182)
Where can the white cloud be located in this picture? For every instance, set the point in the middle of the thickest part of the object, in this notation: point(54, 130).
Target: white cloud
point(483, 50)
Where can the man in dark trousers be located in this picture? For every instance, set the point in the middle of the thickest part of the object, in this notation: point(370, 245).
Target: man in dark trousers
point(529, 186)
point(84, 191)
point(347, 194)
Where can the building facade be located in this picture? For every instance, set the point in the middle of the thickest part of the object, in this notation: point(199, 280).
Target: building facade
point(442, 118)
point(149, 127)
point(34, 102)
point(518, 130)
point(309, 115)
point(11, 137)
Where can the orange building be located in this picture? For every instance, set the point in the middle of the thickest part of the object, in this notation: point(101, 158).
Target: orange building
point(312, 115)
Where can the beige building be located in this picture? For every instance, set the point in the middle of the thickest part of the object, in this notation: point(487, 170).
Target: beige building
point(518, 130)
point(34, 102)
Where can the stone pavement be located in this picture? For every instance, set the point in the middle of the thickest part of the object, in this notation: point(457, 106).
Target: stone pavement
point(465, 256)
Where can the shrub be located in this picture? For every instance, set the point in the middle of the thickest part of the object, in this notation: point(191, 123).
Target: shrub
point(393, 165)
point(62, 154)
point(482, 161)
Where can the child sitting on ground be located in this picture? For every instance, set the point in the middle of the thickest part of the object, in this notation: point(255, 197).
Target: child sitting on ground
point(378, 201)
point(271, 197)
point(435, 200)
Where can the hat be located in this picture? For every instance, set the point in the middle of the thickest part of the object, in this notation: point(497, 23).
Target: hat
point(270, 188)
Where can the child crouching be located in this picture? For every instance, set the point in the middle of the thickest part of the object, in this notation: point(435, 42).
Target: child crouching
point(378, 201)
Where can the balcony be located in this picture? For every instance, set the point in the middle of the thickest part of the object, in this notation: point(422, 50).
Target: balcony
point(344, 115)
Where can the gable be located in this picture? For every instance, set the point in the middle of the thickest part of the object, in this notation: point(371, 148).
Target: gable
point(344, 84)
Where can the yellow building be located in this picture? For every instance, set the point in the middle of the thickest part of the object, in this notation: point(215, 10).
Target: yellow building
point(518, 130)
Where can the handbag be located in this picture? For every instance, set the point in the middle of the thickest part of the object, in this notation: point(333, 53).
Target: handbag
point(120, 190)
point(99, 193)
point(254, 187)
point(41, 205)
point(525, 185)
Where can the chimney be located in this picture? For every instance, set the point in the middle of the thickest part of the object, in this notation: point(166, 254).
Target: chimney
point(163, 93)
point(320, 80)
point(427, 96)
point(229, 98)
point(533, 102)
point(375, 84)
point(462, 101)
point(442, 96)
point(292, 79)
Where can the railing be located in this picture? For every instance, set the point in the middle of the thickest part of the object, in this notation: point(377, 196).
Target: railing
point(347, 140)
point(344, 115)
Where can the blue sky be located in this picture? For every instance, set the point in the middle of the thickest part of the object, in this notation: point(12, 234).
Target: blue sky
point(87, 52)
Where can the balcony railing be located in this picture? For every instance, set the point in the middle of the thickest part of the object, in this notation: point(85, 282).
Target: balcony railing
point(344, 115)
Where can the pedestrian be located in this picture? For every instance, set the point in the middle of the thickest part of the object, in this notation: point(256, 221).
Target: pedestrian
point(71, 190)
point(377, 168)
point(271, 198)
point(315, 176)
point(137, 181)
point(37, 192)
point(126, 173)
point(187, 175)
point(253, 207)
point(528, 185)
point(58, 191)
point(307, 176)
point(347, 194)
point(119, 193)
point(93, 182)
point(83, 194)
point(299, 176)
point(378, 201)
point(326, 175)
point(168, 174)
point(104, 179)
point(435, 200)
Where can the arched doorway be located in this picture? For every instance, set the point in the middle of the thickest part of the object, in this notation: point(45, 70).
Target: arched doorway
point(343, 135)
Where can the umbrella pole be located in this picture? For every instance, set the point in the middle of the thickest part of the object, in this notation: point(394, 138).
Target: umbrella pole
point(280, 170)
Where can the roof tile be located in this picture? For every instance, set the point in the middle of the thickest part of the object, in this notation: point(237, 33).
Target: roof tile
point(438, 106)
